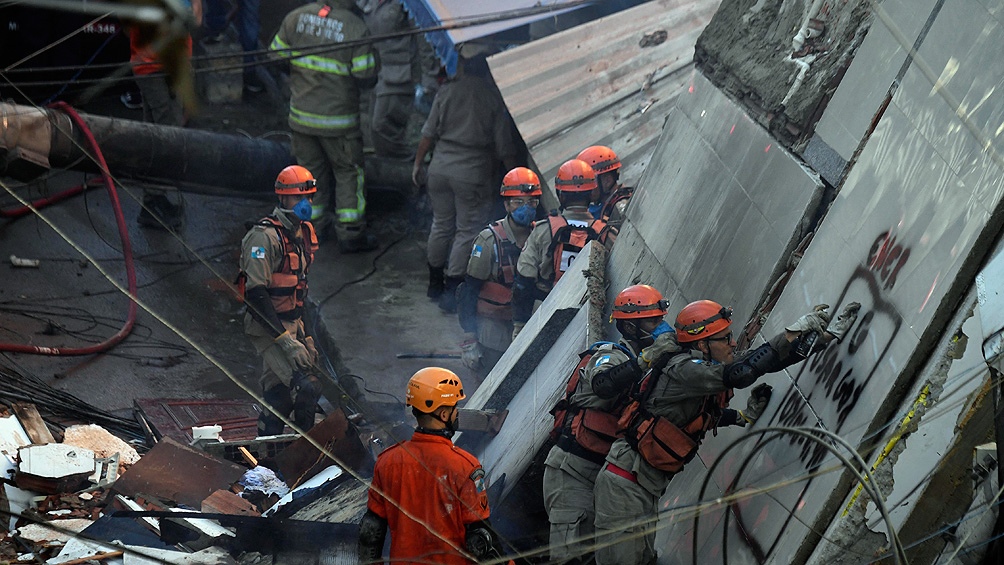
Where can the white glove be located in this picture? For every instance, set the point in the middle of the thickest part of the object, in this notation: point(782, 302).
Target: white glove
point(471, 355)
point(311, 349)
point(516, 328)
point(665, 344)
point(295, 351)
point(844, 321)
point(814, 321)
point(756, 403)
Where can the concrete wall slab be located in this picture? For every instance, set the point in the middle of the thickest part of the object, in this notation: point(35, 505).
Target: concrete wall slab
point(912, 217)
point(866, 83)
point(718, 192)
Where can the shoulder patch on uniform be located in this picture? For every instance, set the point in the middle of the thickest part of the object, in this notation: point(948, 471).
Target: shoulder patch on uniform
point(476, 252)
point(257, 252)
point(478, 476)
point(600, 360)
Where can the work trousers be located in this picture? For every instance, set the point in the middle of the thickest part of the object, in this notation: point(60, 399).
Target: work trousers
point(284, 388)
point(625, 521)
point(460, 210)
point(337, 165)
point(391, 113)
point(160, 106)
point(568, 498)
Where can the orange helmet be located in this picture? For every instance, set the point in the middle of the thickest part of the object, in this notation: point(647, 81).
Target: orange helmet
point(295, 180)
point(701, 319)
point(639, 301)
point(433, 387)
point(521, 181)
point(601, 158)
point(575, 176)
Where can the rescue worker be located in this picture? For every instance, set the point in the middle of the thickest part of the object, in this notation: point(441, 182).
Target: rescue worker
point(555, 241)
point(471, 132)
point(686, 392)
point(585, 424)
point(402, 62)
point(431, 494)
point(611, 198)
point(485, 299)
point(324, 112)
point(276, 255)
point(161, 105)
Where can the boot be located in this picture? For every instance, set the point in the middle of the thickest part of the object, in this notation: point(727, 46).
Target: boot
point(356, 241)
point(437, 282)
point(448, 301)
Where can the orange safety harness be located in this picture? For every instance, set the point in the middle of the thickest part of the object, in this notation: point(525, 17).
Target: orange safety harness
point(495, 298)
point(288, 285)
point(586, 432)
point(661, 443)
point(567, 240)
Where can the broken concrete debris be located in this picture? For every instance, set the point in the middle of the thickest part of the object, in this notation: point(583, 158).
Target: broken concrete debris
point(93, 498)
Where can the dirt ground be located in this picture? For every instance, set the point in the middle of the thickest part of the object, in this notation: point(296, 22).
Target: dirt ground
point(374, 304)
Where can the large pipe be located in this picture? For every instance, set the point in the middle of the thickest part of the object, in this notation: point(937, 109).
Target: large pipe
point(33, 140)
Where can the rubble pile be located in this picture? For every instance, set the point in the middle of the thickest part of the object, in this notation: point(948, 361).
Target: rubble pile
point(93, 498)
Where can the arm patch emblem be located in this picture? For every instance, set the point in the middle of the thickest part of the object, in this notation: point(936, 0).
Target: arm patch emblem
point(478, 476)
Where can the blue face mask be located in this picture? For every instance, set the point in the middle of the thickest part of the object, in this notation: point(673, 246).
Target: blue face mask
point(524, 215)
point(303, 210)
point(662, 328)
point(595, 210)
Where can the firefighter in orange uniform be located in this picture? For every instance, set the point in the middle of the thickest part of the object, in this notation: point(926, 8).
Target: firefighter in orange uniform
point(685, 392)
point(431, 494)
point(276, 254)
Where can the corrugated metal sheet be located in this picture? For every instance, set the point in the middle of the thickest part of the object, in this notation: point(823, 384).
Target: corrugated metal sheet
point(432, 13)
point(609, 82)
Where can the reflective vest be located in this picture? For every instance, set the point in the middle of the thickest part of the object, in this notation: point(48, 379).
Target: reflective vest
point(288, 285)
point(568, 239)
point(586, 432)
point(495, 298)
point(622, 193)
point(661, 443)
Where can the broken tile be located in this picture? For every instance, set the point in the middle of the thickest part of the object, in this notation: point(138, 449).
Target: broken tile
point(102, 442)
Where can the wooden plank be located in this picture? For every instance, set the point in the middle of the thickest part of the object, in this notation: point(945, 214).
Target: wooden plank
point(33, 423)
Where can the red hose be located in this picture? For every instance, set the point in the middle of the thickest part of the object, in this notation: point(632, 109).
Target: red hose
point(19, 211)
point(126, 251)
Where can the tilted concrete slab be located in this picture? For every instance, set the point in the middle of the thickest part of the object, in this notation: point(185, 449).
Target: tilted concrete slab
point(718, 209)
point(870, 76)
point(909, 229)
point(529, 377)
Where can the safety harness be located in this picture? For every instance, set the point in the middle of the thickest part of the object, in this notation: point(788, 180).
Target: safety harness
point(586, 432)
point(568, 239)
point(288, 285)
point(661, 443)
point(622, 193)
point(495, 298)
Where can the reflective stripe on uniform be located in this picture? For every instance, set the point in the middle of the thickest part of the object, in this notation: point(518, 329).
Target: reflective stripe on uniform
point(363, 63)
point(317, 211)
point(343, 121)
point(352, 215)
point(320, 64)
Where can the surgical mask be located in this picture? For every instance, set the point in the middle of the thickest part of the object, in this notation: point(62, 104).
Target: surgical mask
point(524, 215)
point(662, 328)
point(595, 209)
point(303, 210)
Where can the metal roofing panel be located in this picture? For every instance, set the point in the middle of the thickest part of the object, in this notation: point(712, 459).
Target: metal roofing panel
point(608, 82)
point(497, 15)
